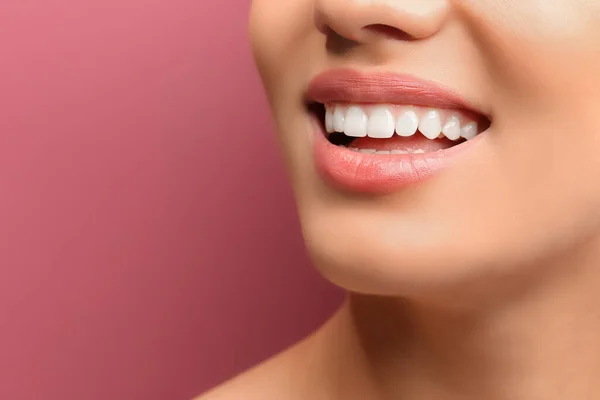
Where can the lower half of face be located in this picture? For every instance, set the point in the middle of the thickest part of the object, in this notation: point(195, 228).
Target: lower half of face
point(388, 207)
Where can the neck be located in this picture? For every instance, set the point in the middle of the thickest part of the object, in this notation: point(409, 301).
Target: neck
point(542, 344)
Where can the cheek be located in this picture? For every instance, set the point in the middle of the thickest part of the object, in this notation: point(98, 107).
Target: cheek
point(543, 60)
point(277, 31)
point(530, 44)
point(283, 38)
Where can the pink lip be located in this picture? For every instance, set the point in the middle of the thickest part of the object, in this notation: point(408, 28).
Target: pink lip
point(346, 85)
point(380, 173)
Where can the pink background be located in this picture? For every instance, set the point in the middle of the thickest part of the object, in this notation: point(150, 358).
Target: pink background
point(148, 243)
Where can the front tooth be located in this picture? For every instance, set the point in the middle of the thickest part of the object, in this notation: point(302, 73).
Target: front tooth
point(356, 122)
point(452, 128)
point(407, 123)
point(381, 123)
point(338, 119)
point(329, 121)
point(367, 151)
point(430, 124)
point(469, 131)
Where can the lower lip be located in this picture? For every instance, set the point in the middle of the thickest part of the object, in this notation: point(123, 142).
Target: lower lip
point(379, 173)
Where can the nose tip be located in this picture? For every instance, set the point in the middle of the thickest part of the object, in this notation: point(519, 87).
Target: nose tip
point(362, 20)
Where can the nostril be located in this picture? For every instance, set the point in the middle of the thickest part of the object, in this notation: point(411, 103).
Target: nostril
point(337, 43)
point(389, 31)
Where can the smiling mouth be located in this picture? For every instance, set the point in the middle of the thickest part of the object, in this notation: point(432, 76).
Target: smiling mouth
point(382, 129)
point(380, 132)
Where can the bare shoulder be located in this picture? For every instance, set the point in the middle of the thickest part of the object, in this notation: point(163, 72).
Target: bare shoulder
point(294, 374)
point(275, 379)
point(251, 385)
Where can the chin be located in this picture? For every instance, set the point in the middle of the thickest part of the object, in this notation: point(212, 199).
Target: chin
point(410, 246)
point(360, 262)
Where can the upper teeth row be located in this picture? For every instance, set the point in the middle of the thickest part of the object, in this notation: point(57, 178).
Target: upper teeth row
point(381, 121)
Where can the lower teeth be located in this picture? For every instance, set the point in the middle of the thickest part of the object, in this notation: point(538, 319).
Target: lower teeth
point(373, 151)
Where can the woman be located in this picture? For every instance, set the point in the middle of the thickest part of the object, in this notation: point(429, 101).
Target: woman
point(445, 158)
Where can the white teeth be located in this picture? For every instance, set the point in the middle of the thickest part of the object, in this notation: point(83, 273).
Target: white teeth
point(407, 123)
point(329, 120)
point(395, 151)
point(338, 119)
point(382, 120)
point(373, 151)
point(356, 122)
point(381, 123)
point(430, 124)
point(452, 128)
point(469, 131)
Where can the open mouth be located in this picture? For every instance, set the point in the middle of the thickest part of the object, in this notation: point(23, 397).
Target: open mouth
point(379, 132)
point(396, 129)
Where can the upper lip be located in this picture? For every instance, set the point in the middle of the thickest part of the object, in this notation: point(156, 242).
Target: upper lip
point(351, 86)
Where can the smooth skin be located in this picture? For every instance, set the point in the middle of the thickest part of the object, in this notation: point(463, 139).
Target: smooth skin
point(484, 281)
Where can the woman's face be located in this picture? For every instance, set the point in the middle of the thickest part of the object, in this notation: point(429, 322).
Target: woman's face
point(427, 210)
